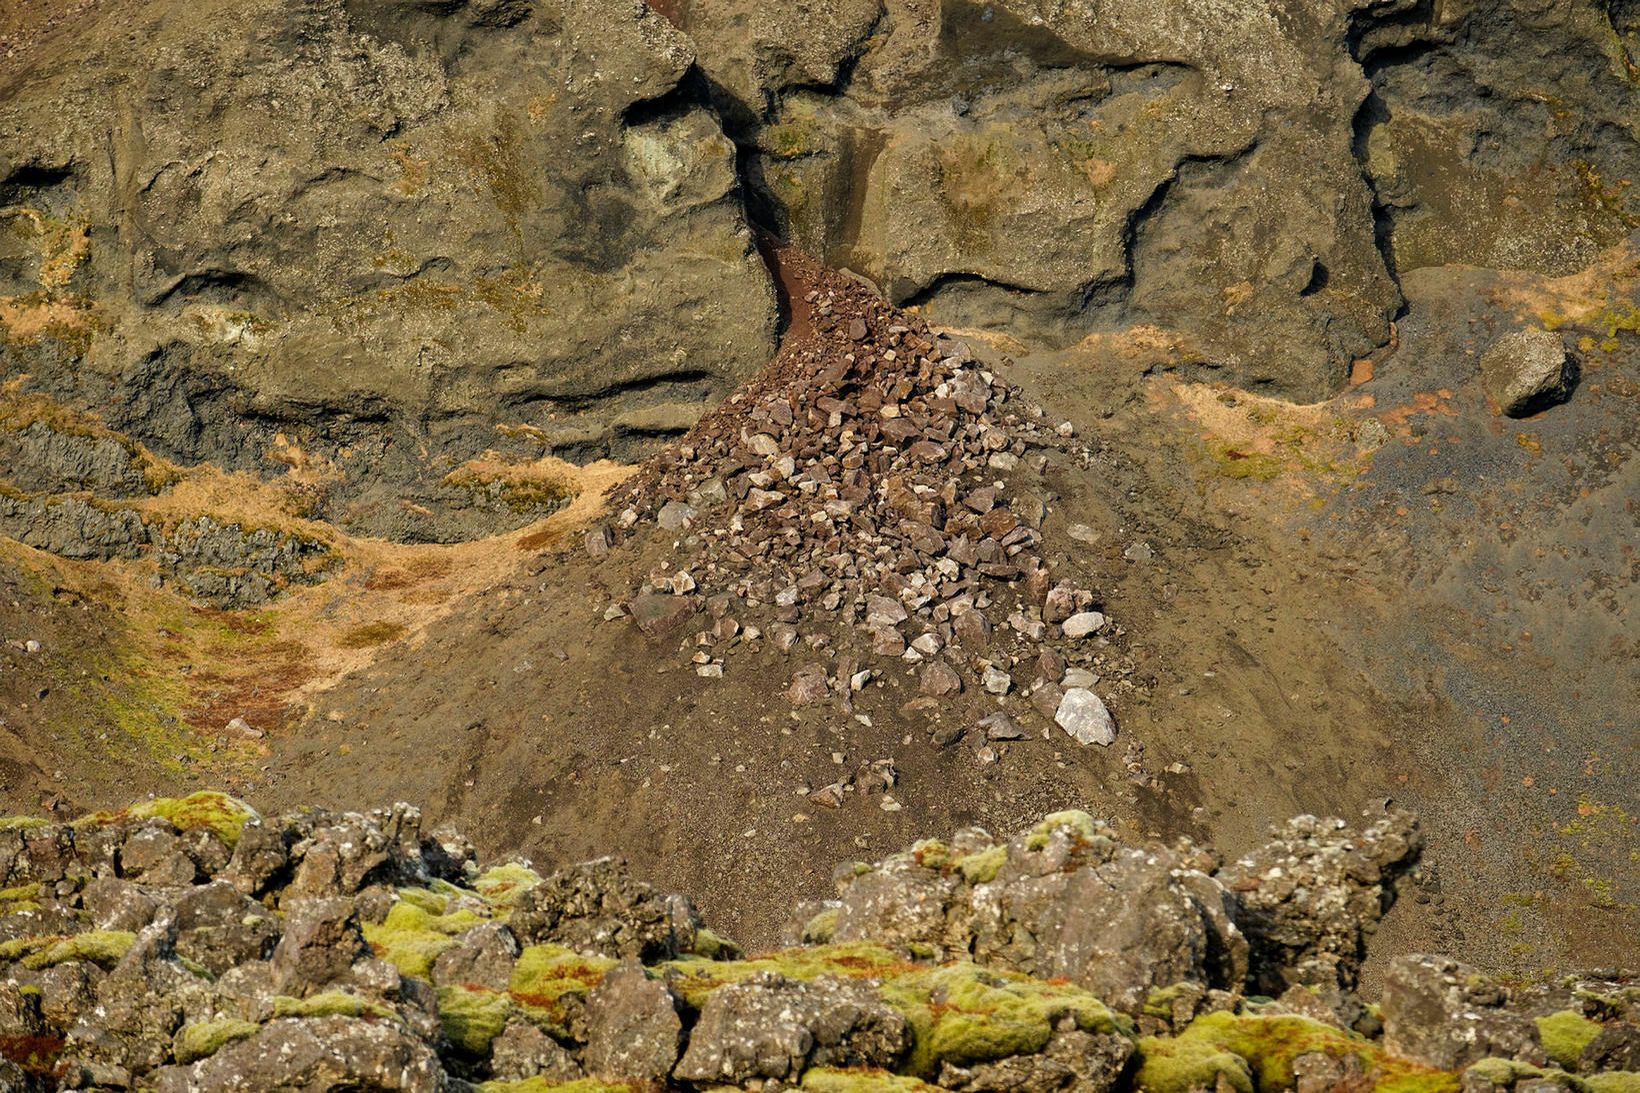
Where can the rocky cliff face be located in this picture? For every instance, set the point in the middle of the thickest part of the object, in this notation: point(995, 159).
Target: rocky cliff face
point(194, 945)
point(363, 243)
point(1251, 177)
point(377, 233)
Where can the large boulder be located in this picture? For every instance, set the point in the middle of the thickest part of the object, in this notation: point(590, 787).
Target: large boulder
point(773, 1028)
point(319, 1055)
point(1447, 1015)
point(351, 238)
point(597, 907)
point(1064, 900)
point(1307, 898)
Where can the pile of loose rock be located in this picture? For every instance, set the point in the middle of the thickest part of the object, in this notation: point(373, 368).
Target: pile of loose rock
point(193, 945)
point(874, 474)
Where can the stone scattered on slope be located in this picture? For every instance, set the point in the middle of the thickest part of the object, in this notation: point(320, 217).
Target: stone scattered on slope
point(858, 484)
point(1526, 371)
point(1082, 714)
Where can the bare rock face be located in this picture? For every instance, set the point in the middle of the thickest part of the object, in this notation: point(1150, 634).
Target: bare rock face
point(1064, 900)
point(353, 237)
point(1249, 176)
point(327, 1053)
point(770, 1027)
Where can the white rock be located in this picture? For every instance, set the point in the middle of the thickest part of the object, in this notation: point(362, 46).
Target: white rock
point(32, 646)
point(996, 681)
point(1083, 623)
point(1078, 677)
point(1083, 714)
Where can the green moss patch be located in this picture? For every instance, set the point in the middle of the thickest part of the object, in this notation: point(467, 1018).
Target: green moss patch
point(545, 975)
point(417, 930)
point(331, 1004)
point(223, 814)
point(501, 885)
point(1253, 1050)
point(103, 948)
point(546, 1085)
point(1565, 1035)
point(698, 978)
point(473, 1017)
point(861, 1080)
point(206, 1038)
point(1614, 1081)
point(964, 1014)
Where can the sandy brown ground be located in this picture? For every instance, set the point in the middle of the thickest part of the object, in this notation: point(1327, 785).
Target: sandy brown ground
point(1447, 621)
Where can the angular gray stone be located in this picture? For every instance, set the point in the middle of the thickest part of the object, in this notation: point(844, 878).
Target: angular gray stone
point(1084, 715)
point(633, 1027)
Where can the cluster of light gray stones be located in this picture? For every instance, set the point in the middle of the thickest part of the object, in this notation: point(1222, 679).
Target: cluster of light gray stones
point(875, 474)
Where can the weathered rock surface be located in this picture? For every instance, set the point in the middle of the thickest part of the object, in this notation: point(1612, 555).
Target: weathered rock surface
point(1250, 176)
point(350, 240)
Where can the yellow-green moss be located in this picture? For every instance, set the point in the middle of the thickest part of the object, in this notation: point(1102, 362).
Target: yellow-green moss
point(473, 1017)
point(221, 813)
point(101, 947)
point(1181, 1064)
point(1565, 1035)
point(820, 929)
point(863, 1080)
point(417, 930)
point(546, 974)
point(501, 885)
point(711, 945)
point(698, 978)
point(1267, 1046)
point(21, 823)
point(546, 1085)
point(964, 1014)
point(982, 866)
point(331, 1004)
point(1614, 1081)
point(1232, 462)
point(205, 1038)
point(24, 897)
point(1085, 826)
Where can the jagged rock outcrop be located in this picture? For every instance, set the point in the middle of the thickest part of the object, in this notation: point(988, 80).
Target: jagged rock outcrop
point(372, 234)
point(1249, 176)
point(190, 944)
